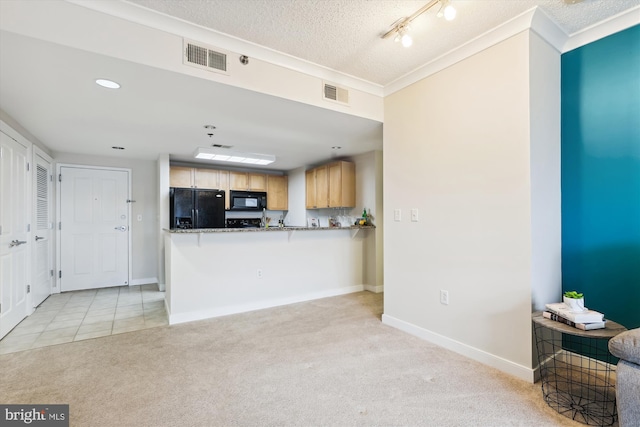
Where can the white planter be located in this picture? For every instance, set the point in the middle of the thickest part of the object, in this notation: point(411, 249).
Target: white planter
point(574, 304)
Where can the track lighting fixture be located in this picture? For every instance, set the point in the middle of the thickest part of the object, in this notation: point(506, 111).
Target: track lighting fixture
point(400, 28)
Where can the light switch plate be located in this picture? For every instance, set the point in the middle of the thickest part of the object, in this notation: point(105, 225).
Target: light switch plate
point(397, 215)
point(414, 214)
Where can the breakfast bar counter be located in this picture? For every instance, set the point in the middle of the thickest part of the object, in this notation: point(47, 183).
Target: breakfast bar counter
point(262, 229)
point(216, 272)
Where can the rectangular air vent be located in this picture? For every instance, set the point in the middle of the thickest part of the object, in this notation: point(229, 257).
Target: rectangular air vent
point(335, 93)
point(205, 57)
point(221, 146)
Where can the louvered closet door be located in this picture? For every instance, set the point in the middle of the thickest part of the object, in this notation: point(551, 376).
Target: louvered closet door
point(43, 245)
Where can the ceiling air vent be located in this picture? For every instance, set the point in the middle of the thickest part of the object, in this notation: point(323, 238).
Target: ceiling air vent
point(205, 57)
point(336, 93)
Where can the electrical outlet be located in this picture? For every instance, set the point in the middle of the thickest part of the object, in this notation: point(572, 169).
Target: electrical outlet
point(414, 214)
point(444, 297)
point(397, 215)
point(259, 273)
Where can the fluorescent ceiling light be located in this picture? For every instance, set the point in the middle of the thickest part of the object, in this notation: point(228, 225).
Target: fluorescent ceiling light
point(233, 156)
point(109, 84)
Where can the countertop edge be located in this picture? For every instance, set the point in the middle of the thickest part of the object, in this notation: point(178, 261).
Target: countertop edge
point(265, 229)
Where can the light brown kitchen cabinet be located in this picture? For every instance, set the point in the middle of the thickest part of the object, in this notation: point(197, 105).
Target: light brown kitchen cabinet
point(247, 181)
point(186, 177)
point(331, 186)
point(181, 177)
point(317, 184)
point(205, 178)
point(277, 192)
point(342, 185)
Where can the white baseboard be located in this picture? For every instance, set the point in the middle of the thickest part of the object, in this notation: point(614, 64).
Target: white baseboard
point(243, 308)
point(504, 365)
point(376, 289)
point(145, 281)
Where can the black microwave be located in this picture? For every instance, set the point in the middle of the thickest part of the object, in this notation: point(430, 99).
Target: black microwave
point(247, 200)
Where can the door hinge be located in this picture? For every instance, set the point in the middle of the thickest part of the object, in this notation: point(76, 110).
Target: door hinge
point(60, 177)
point(51, 273)
point(28, 228)
point(51, 178)
point(60, 274)
point(28, 167)
point(60, 225)
point(28, 288)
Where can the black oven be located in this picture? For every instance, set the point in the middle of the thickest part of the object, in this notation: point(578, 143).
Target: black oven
point(247, 200)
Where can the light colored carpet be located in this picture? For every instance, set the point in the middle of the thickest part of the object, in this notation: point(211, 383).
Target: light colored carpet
point(328, 362)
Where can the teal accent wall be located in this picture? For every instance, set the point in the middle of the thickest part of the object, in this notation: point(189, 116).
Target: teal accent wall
point(600, 161)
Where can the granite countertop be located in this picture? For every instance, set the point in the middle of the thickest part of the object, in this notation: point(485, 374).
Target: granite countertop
point(268, 229)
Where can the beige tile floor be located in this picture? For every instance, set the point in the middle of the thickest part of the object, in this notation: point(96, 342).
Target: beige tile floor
point(80, 315)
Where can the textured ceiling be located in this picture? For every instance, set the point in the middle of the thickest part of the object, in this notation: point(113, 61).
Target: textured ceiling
point(344, 35)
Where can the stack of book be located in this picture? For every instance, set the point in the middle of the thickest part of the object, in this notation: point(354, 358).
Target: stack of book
point(585, 320)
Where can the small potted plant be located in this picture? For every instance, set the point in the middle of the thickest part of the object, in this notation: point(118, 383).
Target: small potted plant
point(574, 300)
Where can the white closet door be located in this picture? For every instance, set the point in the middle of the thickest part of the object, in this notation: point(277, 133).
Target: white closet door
point(13, 233)
point(42, 227)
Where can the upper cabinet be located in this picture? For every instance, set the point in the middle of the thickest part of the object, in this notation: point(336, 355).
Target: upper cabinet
point(276, 186)
point(181, 177)
point(331, 186)
point(277, 192)
point(209, 179)
point(342, 185)
point(248, 181)
point(317, 184)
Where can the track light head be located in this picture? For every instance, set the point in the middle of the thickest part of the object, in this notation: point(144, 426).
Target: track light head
point(401, 26)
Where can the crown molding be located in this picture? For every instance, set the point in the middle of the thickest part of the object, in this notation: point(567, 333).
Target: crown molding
point(504, 31)
point(178, 27)
point(615, 24)
point(534, 19)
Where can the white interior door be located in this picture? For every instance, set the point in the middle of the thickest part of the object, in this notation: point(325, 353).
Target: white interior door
point(13, 233)
point(94, 233)
point(42, 275)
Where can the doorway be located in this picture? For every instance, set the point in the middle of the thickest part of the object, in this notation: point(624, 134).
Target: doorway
point(94, 227)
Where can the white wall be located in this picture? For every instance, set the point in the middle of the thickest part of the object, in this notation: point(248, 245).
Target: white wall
point(369, 196)
point(144, 234)
point(215, 274)
point(457, 148)
point(546, 238)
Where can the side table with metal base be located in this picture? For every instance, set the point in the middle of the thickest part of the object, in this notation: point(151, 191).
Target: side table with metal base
point(576, 370)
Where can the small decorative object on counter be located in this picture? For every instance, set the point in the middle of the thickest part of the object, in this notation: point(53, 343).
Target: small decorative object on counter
point(363, 220)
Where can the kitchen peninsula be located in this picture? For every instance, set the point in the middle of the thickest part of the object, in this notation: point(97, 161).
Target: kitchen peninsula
point(216, 272)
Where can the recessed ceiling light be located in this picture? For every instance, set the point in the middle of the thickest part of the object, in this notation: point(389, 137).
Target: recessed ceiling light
point(109, 84)
point(118, 148)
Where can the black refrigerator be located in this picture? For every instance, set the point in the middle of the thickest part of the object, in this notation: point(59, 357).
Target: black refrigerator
point(196, 208)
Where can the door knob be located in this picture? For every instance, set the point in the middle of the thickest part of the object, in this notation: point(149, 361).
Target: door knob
point(121, 228)
point(39, 238)
point(17, 243)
